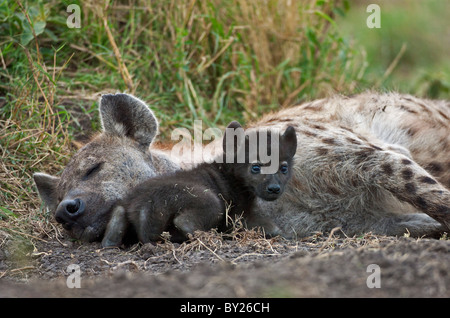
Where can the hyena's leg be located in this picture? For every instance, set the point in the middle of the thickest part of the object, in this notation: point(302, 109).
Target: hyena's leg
point(148, 224)
point(253, 220)
point(149, 221)
point(417, 225)
point(206, 215)
point(410, 183)
point(116, 228)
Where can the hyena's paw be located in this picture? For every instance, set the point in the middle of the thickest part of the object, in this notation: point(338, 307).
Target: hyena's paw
point(268, 226)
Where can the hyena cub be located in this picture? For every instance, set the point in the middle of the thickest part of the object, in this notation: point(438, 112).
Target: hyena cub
point(208, 195)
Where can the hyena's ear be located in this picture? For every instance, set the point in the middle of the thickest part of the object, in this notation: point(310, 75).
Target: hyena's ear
point(289, 141)
point(124, 115)
point(234, 134)
point(47, 186)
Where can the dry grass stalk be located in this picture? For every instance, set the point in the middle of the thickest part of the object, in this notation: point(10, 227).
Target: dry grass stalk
point(122, 67)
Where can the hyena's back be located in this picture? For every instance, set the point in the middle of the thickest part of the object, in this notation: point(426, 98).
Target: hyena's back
point(367, 163)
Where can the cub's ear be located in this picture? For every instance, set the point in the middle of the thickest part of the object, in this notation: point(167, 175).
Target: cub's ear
point(289, 141)
point(47, 186)
point(234, 124)
point(124, 115)
point(234, 133)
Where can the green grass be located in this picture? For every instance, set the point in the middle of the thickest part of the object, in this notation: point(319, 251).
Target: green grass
point(210, 60)
point(413, 37)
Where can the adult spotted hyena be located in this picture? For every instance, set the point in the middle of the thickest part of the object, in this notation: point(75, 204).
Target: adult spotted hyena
point(372, 162)
point(104, 170)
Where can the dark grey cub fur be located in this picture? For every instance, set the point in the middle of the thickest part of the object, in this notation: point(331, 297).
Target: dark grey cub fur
point(205, 197)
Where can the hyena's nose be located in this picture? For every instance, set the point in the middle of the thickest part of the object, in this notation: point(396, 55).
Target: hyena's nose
point(273, 188)
point(68, 210)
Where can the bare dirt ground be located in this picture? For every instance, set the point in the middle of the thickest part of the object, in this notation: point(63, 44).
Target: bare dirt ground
point(243, 265)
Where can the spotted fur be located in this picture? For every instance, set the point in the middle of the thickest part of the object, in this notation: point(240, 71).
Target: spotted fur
point(372, 162)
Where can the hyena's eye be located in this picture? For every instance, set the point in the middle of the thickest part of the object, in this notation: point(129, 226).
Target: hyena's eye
point(284, 169)
point(256, 168)
point(92, 170)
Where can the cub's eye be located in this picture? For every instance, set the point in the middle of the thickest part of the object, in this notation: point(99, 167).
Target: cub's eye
point(92, 170)
point(256, 169)
point(284, 169)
